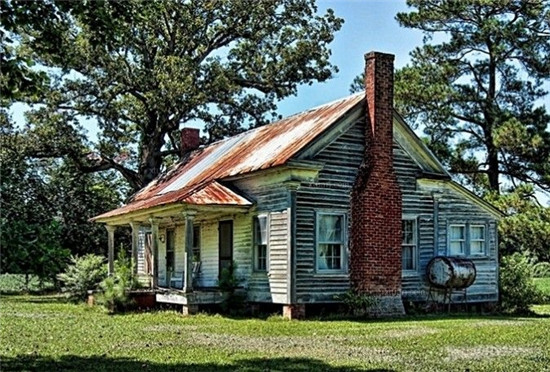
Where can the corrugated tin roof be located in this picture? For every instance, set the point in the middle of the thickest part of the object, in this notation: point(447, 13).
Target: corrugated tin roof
point(253, 150)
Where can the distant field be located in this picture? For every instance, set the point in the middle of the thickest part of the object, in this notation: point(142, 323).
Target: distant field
point(44, 333)
point(15, 283)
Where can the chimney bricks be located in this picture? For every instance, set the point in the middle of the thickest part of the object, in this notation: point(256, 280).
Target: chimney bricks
point(375, 252)
point(190, 139)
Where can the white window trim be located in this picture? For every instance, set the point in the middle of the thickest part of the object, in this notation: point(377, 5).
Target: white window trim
point(414, 270)
point(467, 239)
point(344, 254)
point(254, 245)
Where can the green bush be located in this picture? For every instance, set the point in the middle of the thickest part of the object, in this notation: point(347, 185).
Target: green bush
point(541, 270)
point(357, 303)
point(82, 275)
point(115, 288)
point(517, 287)
point(20, 283)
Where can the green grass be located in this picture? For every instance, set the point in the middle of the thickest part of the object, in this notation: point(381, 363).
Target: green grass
point(43, 333)
point(543, 284)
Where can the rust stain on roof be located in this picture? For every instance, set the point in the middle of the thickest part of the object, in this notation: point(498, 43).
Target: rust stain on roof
point(193, 181)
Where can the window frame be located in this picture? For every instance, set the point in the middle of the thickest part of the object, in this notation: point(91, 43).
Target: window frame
point(468, 226)
point(256, 245)
point(344, 242)
point(415, 250)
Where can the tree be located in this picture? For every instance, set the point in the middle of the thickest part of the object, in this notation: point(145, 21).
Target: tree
point(143, 69)
point(474, 84)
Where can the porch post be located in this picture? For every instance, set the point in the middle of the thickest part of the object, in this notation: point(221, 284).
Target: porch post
point(188, 280)
point(135, 239)
point(154, 238)
point(111, 248)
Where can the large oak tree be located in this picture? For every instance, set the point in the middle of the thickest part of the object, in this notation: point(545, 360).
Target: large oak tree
point(144, 69)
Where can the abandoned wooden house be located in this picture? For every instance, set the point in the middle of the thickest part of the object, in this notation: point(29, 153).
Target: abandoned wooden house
point(342, 196)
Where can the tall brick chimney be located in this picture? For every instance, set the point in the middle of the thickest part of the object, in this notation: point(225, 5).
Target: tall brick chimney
point(190, 139)
point(375, 252)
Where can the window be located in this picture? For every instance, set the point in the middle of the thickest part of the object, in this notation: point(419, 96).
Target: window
point(466, 240)
point(408, 244)
point(196, 243)
point(457, 240)
point(330, 242)
point(477, 240)
point(170, 253)
point(260, 243)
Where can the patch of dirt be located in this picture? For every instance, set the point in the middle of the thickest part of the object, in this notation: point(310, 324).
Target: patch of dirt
point(170, 328)
point(328, 348)
point(411, 332)
point(486, 352)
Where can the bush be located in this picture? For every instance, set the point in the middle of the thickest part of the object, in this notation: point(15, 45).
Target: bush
point(541, 270)
point(517, 287)
point(82, 275)
point(115, 288)
point(357, 303)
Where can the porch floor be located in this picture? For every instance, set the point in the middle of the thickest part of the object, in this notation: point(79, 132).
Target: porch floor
point(199, 296)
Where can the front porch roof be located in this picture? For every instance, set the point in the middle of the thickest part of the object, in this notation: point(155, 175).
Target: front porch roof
point(206, 194)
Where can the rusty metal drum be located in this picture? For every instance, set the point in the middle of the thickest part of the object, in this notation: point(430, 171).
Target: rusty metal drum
point(451, 272)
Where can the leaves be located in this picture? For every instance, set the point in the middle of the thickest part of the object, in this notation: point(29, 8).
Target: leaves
point(144, 69)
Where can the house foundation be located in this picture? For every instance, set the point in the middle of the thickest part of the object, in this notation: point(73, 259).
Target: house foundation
point(294, 311)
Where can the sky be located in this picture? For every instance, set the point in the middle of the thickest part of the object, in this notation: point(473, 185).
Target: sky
point(369, 25)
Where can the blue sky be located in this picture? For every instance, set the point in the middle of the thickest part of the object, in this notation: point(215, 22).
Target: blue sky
point(369, 25)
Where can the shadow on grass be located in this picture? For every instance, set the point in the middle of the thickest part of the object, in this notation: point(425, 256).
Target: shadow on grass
point(101, 363)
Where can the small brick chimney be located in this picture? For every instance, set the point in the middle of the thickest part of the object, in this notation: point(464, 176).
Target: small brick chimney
point(375, 252)
point(190, 139)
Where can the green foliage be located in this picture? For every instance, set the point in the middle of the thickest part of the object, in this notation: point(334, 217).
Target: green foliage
point(474, 88)
point(82, 275)
point(357, 303)
point(18, 283)
point(142, 69)
point(543, 285)
point(527, 225)
point(517, 288)
point(115, 288)
point(229, 280)
point(541, 270)
point(32, 249)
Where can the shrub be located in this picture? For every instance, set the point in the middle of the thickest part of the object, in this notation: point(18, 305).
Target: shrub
point(115, 288)
point(517, 288)
point(357, 303)
point(541, 270)
point(82, 275)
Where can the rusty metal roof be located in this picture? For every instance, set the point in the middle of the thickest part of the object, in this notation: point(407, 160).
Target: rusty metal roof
point(260, 148)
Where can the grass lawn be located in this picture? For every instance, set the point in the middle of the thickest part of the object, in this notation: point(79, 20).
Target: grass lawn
point(43, 333)
point(543, 284)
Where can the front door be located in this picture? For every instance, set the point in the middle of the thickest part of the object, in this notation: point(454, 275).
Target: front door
point(225, 229)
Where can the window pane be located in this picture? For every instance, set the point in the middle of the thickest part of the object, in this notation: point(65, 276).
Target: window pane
point(330, 228)
point(457, 247)
point(477, 232)
point(477, 247)
point(196, 243)
point(407, 231)
point(407, 258)
point(330, 257)
point(457, 232)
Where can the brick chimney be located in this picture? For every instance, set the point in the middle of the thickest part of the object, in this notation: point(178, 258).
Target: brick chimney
point(190, 139)
point(375, 252)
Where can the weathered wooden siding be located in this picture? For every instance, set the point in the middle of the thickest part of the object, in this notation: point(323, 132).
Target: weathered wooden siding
point(331, 192)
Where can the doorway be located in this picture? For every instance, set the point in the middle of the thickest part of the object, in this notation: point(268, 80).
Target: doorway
point(225, 229)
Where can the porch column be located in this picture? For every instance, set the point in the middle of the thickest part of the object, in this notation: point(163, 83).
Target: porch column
point(154, 238)
point(135, 240)
point(111, 248)
point(188, 280)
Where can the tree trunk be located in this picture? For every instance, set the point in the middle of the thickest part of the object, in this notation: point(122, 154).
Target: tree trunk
point(150, 158)
point(493, 171)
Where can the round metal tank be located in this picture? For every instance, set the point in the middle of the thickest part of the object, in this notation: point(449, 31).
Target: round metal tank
point(451, 272)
